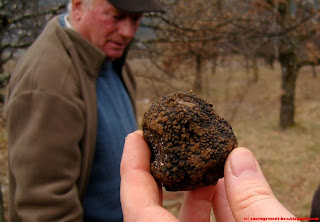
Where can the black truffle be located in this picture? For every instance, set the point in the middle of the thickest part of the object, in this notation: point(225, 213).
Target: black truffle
point(189, 142)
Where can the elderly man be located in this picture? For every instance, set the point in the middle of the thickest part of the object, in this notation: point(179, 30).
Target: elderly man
point(69, 108)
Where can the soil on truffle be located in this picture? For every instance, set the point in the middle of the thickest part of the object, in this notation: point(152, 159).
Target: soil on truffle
point(189, 142)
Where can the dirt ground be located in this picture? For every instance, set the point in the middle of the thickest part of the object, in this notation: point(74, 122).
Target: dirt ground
point(289, 159)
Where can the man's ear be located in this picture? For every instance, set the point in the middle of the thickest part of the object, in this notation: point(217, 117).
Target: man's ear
point(77, 7)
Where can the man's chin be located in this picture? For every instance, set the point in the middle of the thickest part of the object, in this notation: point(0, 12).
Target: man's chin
point(113, 54)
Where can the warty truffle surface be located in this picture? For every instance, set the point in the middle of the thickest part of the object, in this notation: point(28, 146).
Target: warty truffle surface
point(189, 142)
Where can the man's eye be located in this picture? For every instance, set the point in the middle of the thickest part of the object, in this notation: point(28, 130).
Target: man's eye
point(118, 17)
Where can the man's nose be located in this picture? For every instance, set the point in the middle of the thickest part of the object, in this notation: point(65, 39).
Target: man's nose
point(128, 27)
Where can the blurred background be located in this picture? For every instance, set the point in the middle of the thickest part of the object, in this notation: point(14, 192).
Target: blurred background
point(256, 61)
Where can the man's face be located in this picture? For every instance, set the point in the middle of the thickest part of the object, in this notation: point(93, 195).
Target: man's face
point(106, 27)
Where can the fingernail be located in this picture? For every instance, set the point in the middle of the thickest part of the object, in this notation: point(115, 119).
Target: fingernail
point(127, 137)
point(243, 163)
point(139, 132)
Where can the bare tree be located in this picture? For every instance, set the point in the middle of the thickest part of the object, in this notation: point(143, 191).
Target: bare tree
point(286, 30)
point(283, 30)
point(21, 21)
point(189, 33)
point(294, 26)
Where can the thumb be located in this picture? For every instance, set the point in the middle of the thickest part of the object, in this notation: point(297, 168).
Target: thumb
point(249, 194)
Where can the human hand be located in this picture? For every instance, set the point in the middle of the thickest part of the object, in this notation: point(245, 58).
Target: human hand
point(242, 194)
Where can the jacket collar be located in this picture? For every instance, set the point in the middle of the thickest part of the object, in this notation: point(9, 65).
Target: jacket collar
point(90, 56)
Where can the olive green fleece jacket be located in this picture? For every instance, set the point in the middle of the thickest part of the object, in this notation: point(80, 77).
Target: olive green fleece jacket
point(51, 113)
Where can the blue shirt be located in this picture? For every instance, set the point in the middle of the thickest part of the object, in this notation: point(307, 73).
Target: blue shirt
point(116, 120)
